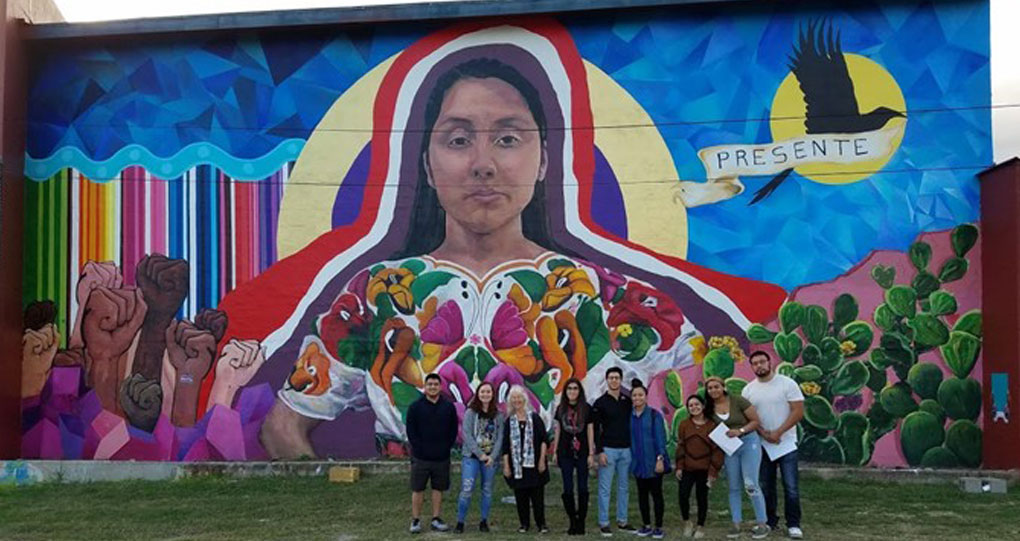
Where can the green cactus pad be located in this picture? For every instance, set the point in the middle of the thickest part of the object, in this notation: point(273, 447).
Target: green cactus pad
point(964, 439)
point(883, 276)
point(786, 369)
point(718, 362)
point(882, 422)
point(961, 398)
point(831, 356)
point(961, 352)
point(876, 379)
point(898, 400)
point(919, 432)
point(852, 434)
point(850, 379)
point(816, 323)
point(924, 379)
point(920, 255)
point(860, 333)
point(758, 334)
point(818, 412)
point(953, 269)
point(679, 415)
point(735, 386)
point(929, 331)
point(939, 458)
point(884, 317)
point(970, 323)
point(788, 346)
point(963, 239)
point(826, 450)
point(934, 408)
point(791, 315)
point(844, 310)
point(942, 303)
point(808, 372)
point(674, 389)
point(902, 300)
point(924, 284)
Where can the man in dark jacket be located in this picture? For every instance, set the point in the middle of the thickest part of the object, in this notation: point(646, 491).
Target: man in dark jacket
point(431, 431)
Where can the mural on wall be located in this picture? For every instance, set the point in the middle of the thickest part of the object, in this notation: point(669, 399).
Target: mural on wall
point(258, 247)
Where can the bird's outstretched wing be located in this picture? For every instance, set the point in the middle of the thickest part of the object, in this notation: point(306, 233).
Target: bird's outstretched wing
point(818, 63)
point(767, 189)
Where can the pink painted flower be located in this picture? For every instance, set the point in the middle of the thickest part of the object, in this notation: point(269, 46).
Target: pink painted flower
point(508, 327)
point(446, 327)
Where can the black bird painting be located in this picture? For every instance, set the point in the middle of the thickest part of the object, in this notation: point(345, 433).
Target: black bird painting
point(820, 67)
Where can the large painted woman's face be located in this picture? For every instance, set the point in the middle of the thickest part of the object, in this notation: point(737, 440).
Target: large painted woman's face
point(485, 154)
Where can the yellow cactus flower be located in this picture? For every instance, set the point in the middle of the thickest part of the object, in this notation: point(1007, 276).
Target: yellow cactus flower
point(847, 347)
point(625, 330)
point(700, 349)
point(810, 388)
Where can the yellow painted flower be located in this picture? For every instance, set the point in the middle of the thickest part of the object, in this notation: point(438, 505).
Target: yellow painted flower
point(810, 388)
point(562, 284)
point(847, 347)
point(397, 283)
point(625, 330)
point(700, 348)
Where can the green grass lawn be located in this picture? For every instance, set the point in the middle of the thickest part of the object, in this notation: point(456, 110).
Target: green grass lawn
point(378, 508)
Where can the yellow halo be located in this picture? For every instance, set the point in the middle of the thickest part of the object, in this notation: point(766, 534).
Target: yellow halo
point(873, 87)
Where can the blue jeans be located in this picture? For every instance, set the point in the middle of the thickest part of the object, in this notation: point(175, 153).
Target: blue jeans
point(791, 489)
point(742, 470)
point(470, 470)
point(618, 463)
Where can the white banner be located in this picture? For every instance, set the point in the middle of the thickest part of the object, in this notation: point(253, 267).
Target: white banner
point(730, 161)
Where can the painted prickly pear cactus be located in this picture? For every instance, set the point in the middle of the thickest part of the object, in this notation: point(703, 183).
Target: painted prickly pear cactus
point(837, 358)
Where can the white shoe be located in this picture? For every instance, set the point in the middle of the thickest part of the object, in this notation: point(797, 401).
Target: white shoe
point(795, 533)
point(688, 529)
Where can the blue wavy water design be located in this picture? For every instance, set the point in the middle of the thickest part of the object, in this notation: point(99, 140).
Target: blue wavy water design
point(164, 167)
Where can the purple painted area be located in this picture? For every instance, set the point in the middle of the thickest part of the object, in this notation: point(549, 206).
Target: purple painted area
point(606, 198)
point(352, 434)
point(349, 197)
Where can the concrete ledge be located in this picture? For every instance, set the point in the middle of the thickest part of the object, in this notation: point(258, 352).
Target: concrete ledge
point(26, 472)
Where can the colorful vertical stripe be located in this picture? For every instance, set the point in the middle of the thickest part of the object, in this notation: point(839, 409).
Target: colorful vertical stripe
point(225, 228)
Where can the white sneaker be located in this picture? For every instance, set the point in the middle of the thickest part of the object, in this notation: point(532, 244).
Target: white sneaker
point(796, 533)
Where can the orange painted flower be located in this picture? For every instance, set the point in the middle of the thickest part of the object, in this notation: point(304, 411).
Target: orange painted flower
point(563, 346)
point(527, 310)
point(395, 343)
point(397, 284)
point(562, 284)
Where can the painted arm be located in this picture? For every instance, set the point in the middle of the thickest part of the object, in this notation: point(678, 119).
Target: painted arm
point(285, 433)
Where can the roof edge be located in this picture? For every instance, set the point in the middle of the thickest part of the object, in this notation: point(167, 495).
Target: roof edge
point(332, 16)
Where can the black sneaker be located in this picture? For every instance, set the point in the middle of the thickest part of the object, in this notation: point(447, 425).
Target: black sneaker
point(459, 528)
point(438, 525)
point(483, 526)
point(606, 531)
point(626, 527)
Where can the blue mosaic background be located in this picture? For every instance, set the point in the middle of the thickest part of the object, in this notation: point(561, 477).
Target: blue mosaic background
point(249, 99)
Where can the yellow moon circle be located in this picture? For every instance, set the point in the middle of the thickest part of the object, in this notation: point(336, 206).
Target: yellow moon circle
point(873, 87)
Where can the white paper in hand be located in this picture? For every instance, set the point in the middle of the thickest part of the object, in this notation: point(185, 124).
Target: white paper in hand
point(779, 450)
point(727, 444)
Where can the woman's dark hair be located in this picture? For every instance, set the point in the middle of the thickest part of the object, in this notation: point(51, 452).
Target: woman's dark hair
point(718, 380)
point(637, 384)
point(707, 406)
point(428, 218)
point(582, 402)
point(476, 403)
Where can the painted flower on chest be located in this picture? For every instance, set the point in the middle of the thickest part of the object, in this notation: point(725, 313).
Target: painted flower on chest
point(397, 284)
point(396, 341)
point(442, 332)
point(563, 283)
point(563, 346)
point(643, 305)
point(509, 339)
point(610, 282)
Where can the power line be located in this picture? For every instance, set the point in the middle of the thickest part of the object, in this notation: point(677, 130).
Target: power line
point(298, 131)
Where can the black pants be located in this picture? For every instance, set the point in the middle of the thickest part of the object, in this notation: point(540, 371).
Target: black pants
point(650, 487)
point(534, 496)
point(689, 480)
point(574, 468)
point(787, 465)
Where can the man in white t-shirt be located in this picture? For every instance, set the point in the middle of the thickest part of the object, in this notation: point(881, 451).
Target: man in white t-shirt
point(780, 406)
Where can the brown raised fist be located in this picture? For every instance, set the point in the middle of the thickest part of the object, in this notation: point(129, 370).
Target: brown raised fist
point(39, 314)
point(93, 275)
point(213, 321)
point(70, 357)
point(141, 400)
point(164, 283)
point(191, 351)
point(110, 321)
point(38, 348)
point(237, 364)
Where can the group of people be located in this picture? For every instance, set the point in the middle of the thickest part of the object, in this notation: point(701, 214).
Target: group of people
point(617, 436)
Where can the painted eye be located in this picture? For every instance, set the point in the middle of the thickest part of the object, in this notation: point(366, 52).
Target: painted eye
point(311, 370)
point(650, 302)
point(508, 141)
point(564, 338)
point(459, 141)
point(345, 315)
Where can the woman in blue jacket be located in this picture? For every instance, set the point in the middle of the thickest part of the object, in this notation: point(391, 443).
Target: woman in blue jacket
point(648, 452)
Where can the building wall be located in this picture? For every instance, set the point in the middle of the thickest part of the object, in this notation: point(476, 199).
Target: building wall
point(251, 245)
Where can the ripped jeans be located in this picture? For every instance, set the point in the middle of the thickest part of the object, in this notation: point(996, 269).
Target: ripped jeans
point(742, 470)
point(471, 472)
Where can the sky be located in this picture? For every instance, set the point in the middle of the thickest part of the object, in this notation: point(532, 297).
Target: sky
point(1005, 18)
